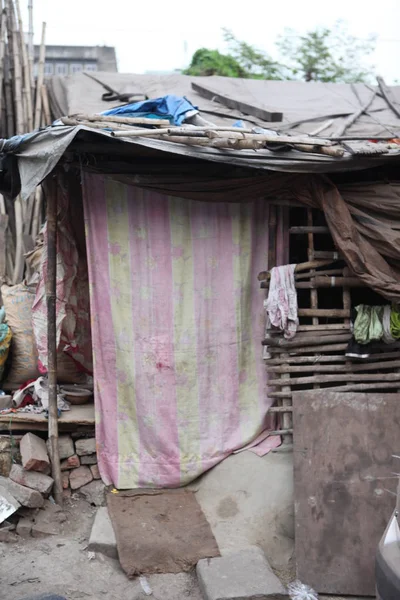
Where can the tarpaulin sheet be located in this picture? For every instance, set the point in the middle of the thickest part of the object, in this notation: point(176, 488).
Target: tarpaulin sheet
point(177, 322)
point(173, 108)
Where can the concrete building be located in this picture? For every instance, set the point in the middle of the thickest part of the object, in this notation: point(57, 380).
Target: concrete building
point(66, 60)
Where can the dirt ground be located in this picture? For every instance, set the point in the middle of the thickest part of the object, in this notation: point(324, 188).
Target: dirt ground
point(61, 564)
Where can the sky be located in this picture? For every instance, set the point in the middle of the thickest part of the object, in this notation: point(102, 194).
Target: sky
point(158, 36)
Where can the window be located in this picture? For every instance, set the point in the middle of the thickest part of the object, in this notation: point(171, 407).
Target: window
point(75, 68)
point(48, 69)
point(90, 67)
point(61, 69)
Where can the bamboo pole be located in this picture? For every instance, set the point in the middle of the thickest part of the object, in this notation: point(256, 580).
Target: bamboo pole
point(356, 377)
point(26, 71)
point(314, 264)
point(2, 48)
point(355, 387)
point(19, 110)
point(37, 212)
point(46, 107)
point(40, 77)
point(346, 368)
point(296, 360)
point(124, 120)
point(19, 250)
point(51, 197)
point(30, 44)
point(308, 349)
point(302, 340)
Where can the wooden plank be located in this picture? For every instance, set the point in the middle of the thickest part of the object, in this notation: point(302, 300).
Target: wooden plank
point(313, 349)
point(380, 377)
point(388, 96)
point(306, 341)
point(332, 313)
point(347, 368)
point(344, 486)
point(329, 359)
point(280, 409)
point(248, 109)
point(328, 254)
point(353, 387)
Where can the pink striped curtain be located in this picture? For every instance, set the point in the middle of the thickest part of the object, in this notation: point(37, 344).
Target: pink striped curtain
point(177, 322)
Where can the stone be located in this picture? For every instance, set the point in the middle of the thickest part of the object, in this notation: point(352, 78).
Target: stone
point(65, 446)
point(7, 525)
point(94, 492)
point(8, 504)
point(28, 513)
point(95, 471)
point(23, 494)
point(5, 401)
point(72, 462)
point(102, 537)
point(48, 520)
point(80, 477)
point(89, 459)
point(5, 456)
point(65, 479)
point(24, 528)
point(34, 453)
point(244, 575)
point(36, 481)
point(85, 446)
point(8, 537)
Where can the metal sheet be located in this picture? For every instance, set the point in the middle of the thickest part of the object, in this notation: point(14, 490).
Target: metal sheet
point(344, 485)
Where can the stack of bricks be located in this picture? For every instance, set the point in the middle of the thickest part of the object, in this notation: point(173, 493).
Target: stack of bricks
point(78, 463)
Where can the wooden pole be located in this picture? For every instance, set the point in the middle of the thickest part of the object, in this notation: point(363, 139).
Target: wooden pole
point(52, 190)
point(30, 43)
point(26, 70)
point(40, 78)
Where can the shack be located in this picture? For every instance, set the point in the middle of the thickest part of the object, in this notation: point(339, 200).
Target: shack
point(190, 198)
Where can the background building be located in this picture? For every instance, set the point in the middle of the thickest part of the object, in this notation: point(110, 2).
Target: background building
point(66, 60)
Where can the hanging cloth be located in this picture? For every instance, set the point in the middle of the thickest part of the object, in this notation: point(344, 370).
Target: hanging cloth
point(395, 323)
point(368, 326)
point(281, 304)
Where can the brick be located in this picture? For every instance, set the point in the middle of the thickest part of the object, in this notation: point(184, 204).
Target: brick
point(24, 495)
point(34, 453)
point(24, 528)
point(72, 462)
point(245, 575)
point(80, 477)
point(85, 446)
point(36, 481)
point(102, 537)
point(65, 446)
point(89, 459)
point(48, 521)
point(8, 537)
point(95, 471)
point(94, 492)
point(65, 479)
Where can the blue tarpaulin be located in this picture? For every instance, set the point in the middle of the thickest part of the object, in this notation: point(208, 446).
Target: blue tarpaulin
point(173, 108)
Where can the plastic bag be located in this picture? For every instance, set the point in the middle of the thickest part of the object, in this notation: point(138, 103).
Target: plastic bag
point(301, 591)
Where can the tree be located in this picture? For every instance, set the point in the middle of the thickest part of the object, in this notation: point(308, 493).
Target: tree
point(330, 55)
point(243, 61)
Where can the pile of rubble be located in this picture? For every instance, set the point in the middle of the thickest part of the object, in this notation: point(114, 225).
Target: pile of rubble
point(26, 504)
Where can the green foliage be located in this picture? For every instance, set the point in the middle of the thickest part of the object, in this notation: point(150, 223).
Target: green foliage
point(212, 62)
point(329, 55)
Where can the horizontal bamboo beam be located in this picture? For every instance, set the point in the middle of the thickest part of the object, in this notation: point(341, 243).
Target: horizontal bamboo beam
point(280, 432)
point(324, 327)
point(305, 341)
point(309, 349)
point(310, 264)
point(122, 120)
point(280, 409)
point(347, 368)
point(331, 254)
point(323, 282)
point(355, 387)
point(310, 332)
point(334, 378)
point(309, 229)
point(322, 358)
point(329, 313)
point(311, 274)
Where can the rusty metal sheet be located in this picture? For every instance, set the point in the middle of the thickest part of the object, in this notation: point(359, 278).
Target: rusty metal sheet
point(344, 485)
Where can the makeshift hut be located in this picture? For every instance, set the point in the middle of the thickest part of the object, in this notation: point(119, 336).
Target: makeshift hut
point(189, 198)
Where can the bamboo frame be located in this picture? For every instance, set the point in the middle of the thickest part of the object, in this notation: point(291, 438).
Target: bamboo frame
point(40, 78)
point(51, 197)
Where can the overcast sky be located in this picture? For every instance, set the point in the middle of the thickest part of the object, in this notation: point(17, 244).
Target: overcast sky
point(160, 36)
